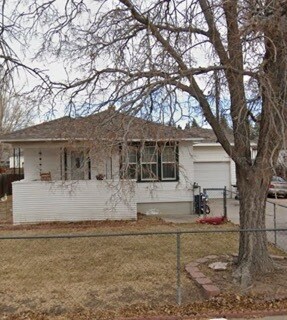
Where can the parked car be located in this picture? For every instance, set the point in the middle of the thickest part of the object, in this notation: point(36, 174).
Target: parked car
point(277, 187)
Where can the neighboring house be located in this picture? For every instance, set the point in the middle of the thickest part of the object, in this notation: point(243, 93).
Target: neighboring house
point(106, 166)
point(4, 157)
point(16, 160)
point(282, 159)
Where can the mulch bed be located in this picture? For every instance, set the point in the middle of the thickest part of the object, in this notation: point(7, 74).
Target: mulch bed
point(142, 221)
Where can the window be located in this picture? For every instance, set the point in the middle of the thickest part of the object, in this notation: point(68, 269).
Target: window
point(168, 163)
point(130, 163)
point(150, 162)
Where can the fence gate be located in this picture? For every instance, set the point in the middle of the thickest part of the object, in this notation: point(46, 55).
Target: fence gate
point(215, 196)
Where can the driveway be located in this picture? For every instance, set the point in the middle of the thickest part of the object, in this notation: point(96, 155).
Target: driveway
point(275, 208)
point(276, 217)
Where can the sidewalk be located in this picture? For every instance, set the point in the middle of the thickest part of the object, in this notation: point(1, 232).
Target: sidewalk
point(260, 318)
point(279, 317)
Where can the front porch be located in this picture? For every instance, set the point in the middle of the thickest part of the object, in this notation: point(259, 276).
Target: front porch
point(85, 183)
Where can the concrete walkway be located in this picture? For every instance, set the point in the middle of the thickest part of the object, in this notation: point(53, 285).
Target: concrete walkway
point(216, 207)
point(179, 218)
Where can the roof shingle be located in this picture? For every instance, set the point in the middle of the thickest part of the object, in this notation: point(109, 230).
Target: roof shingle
point(109, 124)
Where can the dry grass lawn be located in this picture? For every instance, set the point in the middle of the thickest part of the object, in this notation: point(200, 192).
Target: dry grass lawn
point(58, 275)
point(6, 211)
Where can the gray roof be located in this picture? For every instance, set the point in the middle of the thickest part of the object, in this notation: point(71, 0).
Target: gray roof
point(108, 124)
point(208, 135)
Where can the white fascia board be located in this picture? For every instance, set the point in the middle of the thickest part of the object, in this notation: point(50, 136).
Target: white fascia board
point(208, 144)
point(217, 144)
point(167, 139)
point(22, 141)
point(32, 140)
point(193, 139)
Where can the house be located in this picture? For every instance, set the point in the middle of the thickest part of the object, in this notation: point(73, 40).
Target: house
point(16, 160)
point(4, 157)
point(105, 166)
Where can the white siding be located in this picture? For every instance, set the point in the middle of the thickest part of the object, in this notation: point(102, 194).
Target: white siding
point(51, 160)
point(41, 160)
point(158, 192)
point(163, 192)
point(39, 201)
point(233, 173)
point(48, 159)
point(36, 201)
point(186, 166)
point(31, 164)
point(108, 166)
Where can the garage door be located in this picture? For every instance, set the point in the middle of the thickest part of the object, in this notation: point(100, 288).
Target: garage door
point(212, 175)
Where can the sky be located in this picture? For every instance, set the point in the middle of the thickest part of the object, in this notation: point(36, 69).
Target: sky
point(56, 70)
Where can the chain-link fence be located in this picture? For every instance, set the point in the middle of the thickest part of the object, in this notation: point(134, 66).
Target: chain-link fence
point(57, 274)
point(276, 216)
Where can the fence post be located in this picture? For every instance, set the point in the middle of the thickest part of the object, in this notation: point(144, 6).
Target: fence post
point(178, 281)
point(224, 203)
point(275, 223)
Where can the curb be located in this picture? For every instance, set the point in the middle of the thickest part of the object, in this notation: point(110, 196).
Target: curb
point(228, 314)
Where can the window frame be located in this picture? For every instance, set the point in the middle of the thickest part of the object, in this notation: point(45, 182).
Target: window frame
point(156, 162)
point(124, 164)
point(159, 161)
point(175, 163)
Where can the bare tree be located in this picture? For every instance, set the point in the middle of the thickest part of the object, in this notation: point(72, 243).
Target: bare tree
point(15, 72)
point(17, 105)
point(127, 52)
point(15, 112)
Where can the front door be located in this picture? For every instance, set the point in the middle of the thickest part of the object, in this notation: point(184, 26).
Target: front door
point(78, 165)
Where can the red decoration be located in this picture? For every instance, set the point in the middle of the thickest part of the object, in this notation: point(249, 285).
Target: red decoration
point(213, 220)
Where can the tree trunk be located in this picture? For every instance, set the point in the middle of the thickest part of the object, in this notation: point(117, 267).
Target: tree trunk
point(253, 255)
